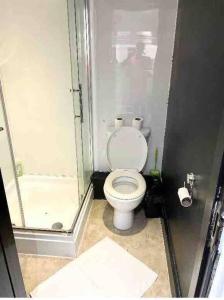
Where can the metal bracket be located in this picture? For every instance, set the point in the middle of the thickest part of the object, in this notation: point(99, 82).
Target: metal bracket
point(191, 179)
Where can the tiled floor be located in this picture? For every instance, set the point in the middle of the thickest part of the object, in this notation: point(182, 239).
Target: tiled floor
point(36, 269)
point(144, 241)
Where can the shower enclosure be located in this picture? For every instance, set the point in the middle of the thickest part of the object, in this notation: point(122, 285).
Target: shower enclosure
point(45, 111)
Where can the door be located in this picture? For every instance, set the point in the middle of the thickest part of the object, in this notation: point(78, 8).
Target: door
point(194, 140)
point(11, 282)
point(80, 60)
point(216, 287)
point(214, 244)
point(45, 82)
point(83, 44)
point(7, 165)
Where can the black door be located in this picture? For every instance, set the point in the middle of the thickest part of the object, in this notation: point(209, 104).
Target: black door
point(212, 248)
point(11, 282)
point(194, 140)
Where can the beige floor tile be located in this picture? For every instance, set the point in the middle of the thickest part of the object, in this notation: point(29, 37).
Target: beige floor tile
point(144, 241)
point(36, 269)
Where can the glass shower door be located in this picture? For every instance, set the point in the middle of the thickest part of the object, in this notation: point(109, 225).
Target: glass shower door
point(44, 69)
point(7, 167)
point(82, 28)
point(35, 68)
point(82, 92)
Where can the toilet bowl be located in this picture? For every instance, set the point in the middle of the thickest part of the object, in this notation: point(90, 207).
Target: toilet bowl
point(125, 187)
point(124, 190)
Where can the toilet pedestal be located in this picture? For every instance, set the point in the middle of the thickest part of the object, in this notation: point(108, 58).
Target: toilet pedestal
point(123, 220)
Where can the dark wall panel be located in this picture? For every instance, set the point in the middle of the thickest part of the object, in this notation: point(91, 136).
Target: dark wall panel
point(194, 120)
point(5, 283)
point(11, 281)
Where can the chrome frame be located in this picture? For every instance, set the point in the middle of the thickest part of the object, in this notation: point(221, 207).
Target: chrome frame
point(9, 138)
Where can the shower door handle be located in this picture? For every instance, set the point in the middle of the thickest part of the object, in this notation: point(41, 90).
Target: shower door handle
point(1, 128)
point(79, 90)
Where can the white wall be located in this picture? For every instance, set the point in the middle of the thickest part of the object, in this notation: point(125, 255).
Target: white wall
point(36, 74)
point(127, 82)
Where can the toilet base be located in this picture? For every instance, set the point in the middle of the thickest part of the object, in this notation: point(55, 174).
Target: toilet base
point(123, 220)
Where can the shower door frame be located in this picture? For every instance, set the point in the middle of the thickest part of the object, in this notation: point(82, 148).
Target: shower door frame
point(75, 45)
point(9, 140)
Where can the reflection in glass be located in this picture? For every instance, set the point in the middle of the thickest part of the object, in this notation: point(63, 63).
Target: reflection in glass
point(133, 45)
point(134, 54)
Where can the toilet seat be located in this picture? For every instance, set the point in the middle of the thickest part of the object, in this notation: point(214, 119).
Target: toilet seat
point(126, 176)
point(127, 149)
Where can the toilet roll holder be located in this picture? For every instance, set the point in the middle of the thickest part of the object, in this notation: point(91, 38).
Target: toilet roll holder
point(185, 194)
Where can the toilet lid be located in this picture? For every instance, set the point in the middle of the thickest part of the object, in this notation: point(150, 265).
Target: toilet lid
point(127, 149)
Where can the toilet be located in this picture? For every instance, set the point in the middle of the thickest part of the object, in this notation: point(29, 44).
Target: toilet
point(125, 187)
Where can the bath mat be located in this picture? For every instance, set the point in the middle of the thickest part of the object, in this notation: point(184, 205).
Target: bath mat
point(106, 269)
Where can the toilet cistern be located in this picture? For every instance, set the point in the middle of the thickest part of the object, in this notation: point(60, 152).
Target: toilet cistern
point(125, 187)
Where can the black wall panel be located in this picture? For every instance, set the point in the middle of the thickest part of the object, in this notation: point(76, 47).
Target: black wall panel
point(11, 281)
point(5, 283)
point(194, 135)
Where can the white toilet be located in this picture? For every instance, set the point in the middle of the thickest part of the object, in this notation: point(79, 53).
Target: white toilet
point(125, 187)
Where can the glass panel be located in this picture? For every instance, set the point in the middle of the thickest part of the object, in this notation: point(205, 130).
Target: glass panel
point(84, 79)
point(82, 93)
point(37, 87)
point(7, 169)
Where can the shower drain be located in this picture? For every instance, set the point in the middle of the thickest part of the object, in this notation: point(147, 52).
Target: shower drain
point(57, 225)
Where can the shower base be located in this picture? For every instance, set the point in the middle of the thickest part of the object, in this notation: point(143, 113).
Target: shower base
point(47, 202)
point(55, 243)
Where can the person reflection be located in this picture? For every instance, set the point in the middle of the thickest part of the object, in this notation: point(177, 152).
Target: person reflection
point(137, 71)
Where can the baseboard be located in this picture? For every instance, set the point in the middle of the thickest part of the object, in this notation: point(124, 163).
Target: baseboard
point(171, 261)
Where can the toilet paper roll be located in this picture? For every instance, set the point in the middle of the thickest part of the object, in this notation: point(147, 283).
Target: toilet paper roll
point(137, 123)
point(184, 196)
point(118, 122)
